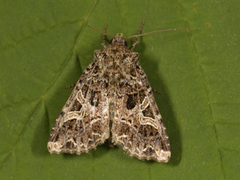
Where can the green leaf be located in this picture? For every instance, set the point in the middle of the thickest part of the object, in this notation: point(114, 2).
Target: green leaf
point(46, 45)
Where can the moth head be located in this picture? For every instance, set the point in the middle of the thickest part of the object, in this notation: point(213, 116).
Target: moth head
point(118, 39)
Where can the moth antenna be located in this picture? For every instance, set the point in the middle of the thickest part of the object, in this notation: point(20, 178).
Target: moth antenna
point(137, 35)
point(100, 31)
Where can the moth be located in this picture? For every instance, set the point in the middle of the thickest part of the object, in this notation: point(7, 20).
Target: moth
point(112, 100)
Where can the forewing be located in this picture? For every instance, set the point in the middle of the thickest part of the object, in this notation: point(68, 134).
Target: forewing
point(138, 125)
point(83, 121)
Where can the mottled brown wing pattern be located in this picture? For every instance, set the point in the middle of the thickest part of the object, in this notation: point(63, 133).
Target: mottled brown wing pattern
point(83, 122)
point(112, 99)
point(138, 125)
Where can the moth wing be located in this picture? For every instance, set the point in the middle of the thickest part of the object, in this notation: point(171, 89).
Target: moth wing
point(83, 122)
point(138, 126)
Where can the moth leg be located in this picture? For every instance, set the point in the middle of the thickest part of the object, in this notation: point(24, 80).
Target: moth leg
point(156, 91)
point(70, 86)
point(104, 44)
point(136, 39)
